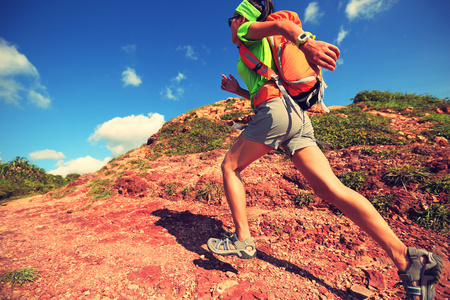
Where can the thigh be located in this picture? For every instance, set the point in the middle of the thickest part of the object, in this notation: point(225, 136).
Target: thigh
point(314, 166)
point(242, 153)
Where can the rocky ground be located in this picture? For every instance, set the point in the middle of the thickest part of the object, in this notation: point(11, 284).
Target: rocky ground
point(137, 229)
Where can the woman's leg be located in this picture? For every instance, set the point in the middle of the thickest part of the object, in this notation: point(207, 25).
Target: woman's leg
point(315, 167)
point(242, 153)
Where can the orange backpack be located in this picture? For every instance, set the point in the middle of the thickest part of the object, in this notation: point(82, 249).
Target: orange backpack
point(296, 77)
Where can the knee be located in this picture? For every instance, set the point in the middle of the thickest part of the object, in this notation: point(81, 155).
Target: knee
point(228, 167)
point(333, 192)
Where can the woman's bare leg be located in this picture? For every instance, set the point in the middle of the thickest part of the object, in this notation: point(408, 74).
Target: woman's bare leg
point(315, 167)
point(242, 153)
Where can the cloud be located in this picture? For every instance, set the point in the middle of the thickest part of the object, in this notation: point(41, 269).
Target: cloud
point(123, 134)
point(38, 99)
point(129, 77)
point(312, 13)
point(190, 54)
point(129, 48)
point(174, 91)
point(367, 9)
point(179, 77)
point(46, 154)
point(341, 35)
point(19, 79)
point(82, 165)
point(340, 62)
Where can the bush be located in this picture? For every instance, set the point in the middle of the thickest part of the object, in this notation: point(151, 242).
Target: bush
point(358, 128)
point(436, 218)
point(353, 180)
point(195, 136)
point(19, 178)
point(19, 277)
point(400, 101)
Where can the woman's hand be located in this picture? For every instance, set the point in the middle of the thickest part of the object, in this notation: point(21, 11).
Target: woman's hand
point(231, 85)
point(321, 53)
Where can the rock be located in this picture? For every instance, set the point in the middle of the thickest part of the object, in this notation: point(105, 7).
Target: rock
point(376, 280)
point(441, 140)
point(360, 292)
point(223, 286)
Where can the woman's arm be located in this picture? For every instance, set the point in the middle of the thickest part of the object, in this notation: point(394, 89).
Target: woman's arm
point(231, 85)
point(317, 52)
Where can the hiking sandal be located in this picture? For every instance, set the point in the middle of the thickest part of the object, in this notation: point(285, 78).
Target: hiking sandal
point(426, 274)
point(240, 246)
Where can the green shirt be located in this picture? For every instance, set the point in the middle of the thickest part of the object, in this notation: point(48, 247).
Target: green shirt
point(261, 49)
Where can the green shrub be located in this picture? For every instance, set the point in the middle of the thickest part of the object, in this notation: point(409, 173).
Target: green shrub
point(171, 189)
point(19, 178)
point(195, 136)
point(209, 191)
point(404, 175)
point(19, 277)
point(233, 115)
point(358, 128)
point(382, 203)
point(100, 189)
point(353, 180)
point(436, 218)
point(304, 199)
point(441, 126)
point(399, 101)
point(438, 185)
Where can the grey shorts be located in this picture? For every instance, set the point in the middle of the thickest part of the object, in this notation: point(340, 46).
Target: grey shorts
point(276, 124)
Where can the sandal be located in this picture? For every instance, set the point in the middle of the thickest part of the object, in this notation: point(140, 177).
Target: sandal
point(240, 246)
point(426, 274)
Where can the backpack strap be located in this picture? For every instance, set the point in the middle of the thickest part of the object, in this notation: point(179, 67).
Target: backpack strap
point(254, 63)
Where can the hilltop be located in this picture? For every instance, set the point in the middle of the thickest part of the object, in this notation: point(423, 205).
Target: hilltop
point(137, 228)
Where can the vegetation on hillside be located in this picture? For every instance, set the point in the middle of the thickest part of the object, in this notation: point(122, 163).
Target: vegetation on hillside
point(195, 136)
point(425, 106)
point(347, 127)
point(20, 178)
point(352, 126)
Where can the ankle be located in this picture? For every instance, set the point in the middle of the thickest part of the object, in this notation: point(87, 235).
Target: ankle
point(401, 260)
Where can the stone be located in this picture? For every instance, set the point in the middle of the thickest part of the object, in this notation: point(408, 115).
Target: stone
point(360, 292)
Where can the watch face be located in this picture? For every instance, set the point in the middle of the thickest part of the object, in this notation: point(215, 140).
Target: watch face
point(304, 35)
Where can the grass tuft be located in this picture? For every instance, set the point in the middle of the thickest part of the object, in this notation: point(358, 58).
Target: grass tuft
point(19, 277)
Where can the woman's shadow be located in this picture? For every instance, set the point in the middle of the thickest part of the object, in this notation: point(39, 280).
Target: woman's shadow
point(192, 231)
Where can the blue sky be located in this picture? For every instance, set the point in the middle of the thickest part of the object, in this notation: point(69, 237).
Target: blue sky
point(84, 81)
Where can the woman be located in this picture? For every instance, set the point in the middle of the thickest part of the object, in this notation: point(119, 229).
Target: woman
point(275, 124)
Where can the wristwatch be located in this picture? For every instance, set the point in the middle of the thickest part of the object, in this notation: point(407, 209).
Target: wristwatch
point(303, 38)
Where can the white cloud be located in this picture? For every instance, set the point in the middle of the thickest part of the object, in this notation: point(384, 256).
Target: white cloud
point(82, 165)
point(189, 52)
point(38, 99)
point(340, 61)
point(312, 13)
point(129, 77)
point(179, 77)
point(123, 134)
point(341, 35)
point(19, 79)
point(173, 93)
point(129, 48)
point(14, 63)
point(46, 154)
point(366, 9)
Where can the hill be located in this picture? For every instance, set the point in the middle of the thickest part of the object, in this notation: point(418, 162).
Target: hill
point(137, 228)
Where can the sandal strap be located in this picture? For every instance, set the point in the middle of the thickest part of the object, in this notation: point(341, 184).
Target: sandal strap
point(225, 242)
